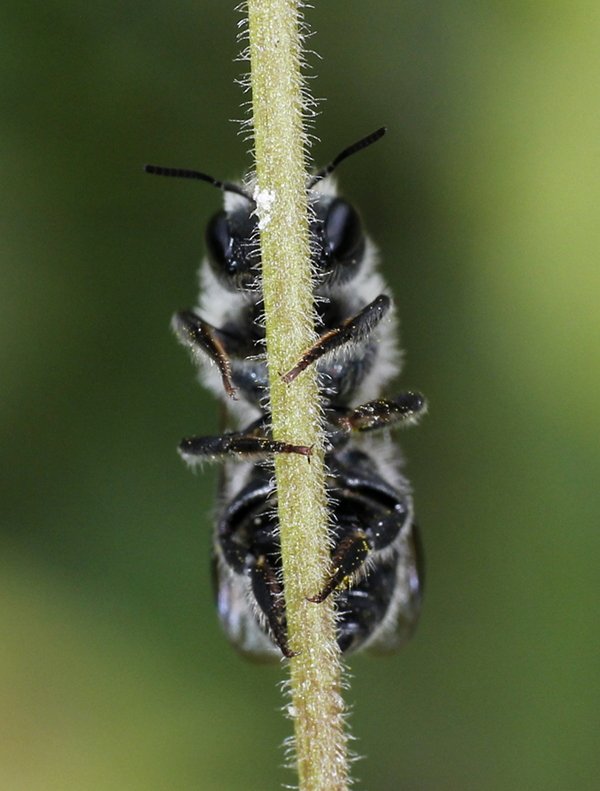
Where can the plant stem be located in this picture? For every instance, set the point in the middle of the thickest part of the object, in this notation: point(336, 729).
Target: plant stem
point(278, 102)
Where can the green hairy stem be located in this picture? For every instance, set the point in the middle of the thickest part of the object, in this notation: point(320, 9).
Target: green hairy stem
point(278, 103)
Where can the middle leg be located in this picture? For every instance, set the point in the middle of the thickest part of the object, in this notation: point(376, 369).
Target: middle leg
point(403, 410)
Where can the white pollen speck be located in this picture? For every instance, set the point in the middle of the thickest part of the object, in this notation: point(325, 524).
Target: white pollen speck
point(264, 200)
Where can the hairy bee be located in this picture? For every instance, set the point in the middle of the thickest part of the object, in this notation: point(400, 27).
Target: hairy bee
point(376, 571)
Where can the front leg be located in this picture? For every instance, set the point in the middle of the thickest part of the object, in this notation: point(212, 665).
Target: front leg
point(200, 336)
point(349, 331)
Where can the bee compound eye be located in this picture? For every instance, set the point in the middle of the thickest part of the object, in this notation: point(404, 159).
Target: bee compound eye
point(233, 253)
point(343, 233)
point(219, 240)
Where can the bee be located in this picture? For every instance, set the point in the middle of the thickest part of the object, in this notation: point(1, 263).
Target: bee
point(376, 569)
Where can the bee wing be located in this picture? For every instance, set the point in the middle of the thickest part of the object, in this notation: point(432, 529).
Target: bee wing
point(405, 606)
point(239, 616)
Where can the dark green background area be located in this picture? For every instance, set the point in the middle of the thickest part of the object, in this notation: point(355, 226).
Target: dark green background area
point(483, 198)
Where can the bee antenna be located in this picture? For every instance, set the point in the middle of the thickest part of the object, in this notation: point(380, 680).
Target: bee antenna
point(347, 152)
point(183, 173)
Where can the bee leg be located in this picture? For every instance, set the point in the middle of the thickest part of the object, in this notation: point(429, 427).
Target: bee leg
point(197, 449)
point(268, 592)
point(350, 330)
point(347, 558)
point(354, 550)
point(404, 410)
point(199, 335)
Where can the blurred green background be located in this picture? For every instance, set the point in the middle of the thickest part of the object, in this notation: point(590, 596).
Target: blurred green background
point(484, 200)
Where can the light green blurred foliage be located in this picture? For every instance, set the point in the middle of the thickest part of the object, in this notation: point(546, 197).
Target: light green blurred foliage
point(484, 201)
